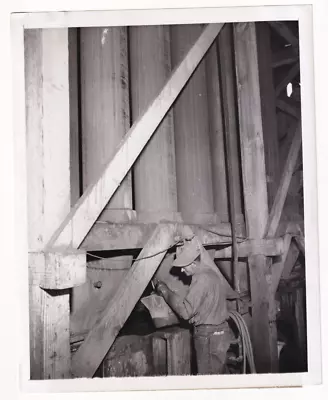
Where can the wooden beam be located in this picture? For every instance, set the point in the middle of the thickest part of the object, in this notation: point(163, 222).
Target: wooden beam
point(106, 236)
point(299, 240)
point(48, 189)
point(268, 110)
point(290, 261)
point(277, 268)
point(284, 57)
point(288, 78)
point(255, 192)
point(283, 30)
point(266, 247)
point(99, 340)
point(79, 221)
point(289, 107)
point(280, 198)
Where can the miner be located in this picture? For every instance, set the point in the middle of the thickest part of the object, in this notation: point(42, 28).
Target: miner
point(204, 307)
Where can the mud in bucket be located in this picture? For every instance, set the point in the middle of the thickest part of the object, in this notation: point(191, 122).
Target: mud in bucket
point(160, 312)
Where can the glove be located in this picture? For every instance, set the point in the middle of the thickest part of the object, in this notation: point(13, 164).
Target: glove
point(162, 289)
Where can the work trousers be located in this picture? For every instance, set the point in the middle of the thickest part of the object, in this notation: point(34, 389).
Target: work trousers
point(211, 345)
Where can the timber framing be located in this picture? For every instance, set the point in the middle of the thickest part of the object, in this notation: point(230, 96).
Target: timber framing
point(60, 262)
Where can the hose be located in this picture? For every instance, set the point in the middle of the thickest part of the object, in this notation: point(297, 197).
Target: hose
point(246, 341)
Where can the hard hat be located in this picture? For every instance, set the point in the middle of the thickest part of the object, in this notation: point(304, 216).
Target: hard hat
point(189, 254)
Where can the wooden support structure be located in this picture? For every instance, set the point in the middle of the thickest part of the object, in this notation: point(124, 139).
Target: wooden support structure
point(79, 221)
point(49, 198)
point(98, 341)
point(268, 109)
point(283, 57)
point(266, 247)
point(289, 107)
point(280, 198)
point(255, 192)
point(105, 236)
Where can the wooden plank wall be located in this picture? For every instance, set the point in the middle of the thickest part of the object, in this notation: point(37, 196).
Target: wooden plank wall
point(48, 158)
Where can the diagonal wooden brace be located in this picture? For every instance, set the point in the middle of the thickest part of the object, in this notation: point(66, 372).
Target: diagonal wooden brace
point(83, 215)
point(58, 271)
point(101, 337)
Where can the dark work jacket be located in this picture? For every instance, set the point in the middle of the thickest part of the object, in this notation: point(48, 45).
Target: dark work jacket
point(205, 301)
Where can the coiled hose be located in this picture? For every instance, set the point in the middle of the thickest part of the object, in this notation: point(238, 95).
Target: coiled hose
point(246, 341)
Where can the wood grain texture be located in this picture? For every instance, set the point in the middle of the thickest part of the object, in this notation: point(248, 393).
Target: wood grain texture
point(58, 271)
point(97, 343)
point(268, 110)
point(48, 188)
point(105, 236)
point(79, 221)
point(266, 247)
point(286, 177)
point(264, 334)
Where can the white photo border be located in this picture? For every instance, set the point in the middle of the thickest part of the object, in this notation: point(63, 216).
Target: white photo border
point(302, 13)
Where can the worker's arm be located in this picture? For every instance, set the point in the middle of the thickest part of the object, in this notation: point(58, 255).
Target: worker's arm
point(180, 305)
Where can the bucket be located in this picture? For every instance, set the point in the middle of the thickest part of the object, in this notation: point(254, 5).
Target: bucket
point(160, 312)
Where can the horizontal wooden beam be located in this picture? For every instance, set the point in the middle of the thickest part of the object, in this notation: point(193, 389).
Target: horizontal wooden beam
point(284, 57)
point(279, 201)
point(84, 214)
point(266, 247)
point(101, 337)
point(56, 270)
point(106, 236)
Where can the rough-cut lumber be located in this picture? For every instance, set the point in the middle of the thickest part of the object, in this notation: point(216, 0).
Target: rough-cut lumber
point(159, 355)
point(280, 198)
point(105, 236)
point(299, 239)
point(268, 110)
point(97, 343)
point(290, 261)
point(266, 247)
point(277, 268)
point(57, 270)
point(287, 78)
point(179, 353)
point(284, 57)
point(255, 192)
point(78, 222)
point(48, 189)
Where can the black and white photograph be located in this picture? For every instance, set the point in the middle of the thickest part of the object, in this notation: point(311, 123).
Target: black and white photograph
point(166, 206)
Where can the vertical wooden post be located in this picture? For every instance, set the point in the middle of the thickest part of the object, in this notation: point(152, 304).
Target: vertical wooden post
point(268, 109)
point(48, 166)
point(255, 192)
